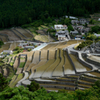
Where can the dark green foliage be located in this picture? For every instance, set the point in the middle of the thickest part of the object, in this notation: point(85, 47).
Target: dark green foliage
point(70, 28)
point(3, 83)
point(20, 12)
point(33, 86)
point(91, 21)
point(91, 37)
point(51, 30)
point(84, 44)
point(1, 43)
point(22, 93)
point(18, 50)
point(95, 29)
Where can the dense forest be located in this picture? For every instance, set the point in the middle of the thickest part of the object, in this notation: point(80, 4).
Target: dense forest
point(19, 12)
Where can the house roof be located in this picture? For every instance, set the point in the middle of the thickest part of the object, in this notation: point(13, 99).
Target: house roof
point(60, 26)
point(74, 31)
point(71, 17)
point(97, 35)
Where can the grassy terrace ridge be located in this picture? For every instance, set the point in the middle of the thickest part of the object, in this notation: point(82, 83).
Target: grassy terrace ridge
point(22, 64)
point(12, 80)
point(19, 77)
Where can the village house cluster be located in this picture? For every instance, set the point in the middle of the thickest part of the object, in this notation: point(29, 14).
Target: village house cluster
point(79, 26)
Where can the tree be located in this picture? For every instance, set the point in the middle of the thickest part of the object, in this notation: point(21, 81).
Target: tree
point(33, 86)
point(70, 28)
point(67, 21)
point(1, 43)
point(91, 37)
point(95, 29)
point(3, 83)
point(92, 21)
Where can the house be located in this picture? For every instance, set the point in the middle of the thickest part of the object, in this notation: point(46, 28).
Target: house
point(8, 51)
point(97, 35)
point(74, 32)
point(22, 45)
point(98, 19)
point(74, 22)
point(78, 36)
point(85, 30)
point(57, 27)
point(29, 47)
point(71, 17)
point(62, 35)
point(83, 21)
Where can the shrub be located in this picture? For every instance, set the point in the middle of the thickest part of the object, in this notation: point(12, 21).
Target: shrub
point(33, 86)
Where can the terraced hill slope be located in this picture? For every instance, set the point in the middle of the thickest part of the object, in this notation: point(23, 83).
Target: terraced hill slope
point(52, 69)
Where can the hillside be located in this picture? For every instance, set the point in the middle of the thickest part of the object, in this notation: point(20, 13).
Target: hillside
point(18, 12)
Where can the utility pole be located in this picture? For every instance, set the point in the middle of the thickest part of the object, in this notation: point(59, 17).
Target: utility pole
point(93, 45)
point(48, 36)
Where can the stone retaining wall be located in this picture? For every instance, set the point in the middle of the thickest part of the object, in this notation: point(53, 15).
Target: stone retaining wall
point(93, 62)
point(71, 61)
point(80, 59)
point(59, 87)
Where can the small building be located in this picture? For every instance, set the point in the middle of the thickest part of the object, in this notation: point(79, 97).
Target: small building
point(78, 36)
point(98, 19)
point(22, 45)
point(85, 30)
point(8, 51)
point(57, 27)
point(71, 17)
point(62, 35)
point(29, 47)
point(74, 32)
point(83, 21)
point(97, 35)
point(74, 22)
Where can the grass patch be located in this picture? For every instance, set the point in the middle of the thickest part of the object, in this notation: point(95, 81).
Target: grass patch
point(19, 77)
point(12, 80)
point(22, 64)
point(11, 73)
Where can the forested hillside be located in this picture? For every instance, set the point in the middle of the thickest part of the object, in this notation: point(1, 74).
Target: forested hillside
point(19, 12)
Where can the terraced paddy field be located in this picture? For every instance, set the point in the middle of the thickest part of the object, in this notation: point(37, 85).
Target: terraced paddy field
point(34, 61)
point(79, 67)
point(11, 35)
point(41, 63)
point(94, 58)
point(4, 38)
point(43, 38)
point(13, 45)
point(29, 59)
point(61, 45)
point(25, 33)
point(52, 69)
point(41, 69)
point(59, 71)
point(68, 68)
point(16, 79)
point(5, 47)
point(20, 35)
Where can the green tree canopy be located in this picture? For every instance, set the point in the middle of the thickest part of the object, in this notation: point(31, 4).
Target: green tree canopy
point(33, 86)
point(3, 83)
